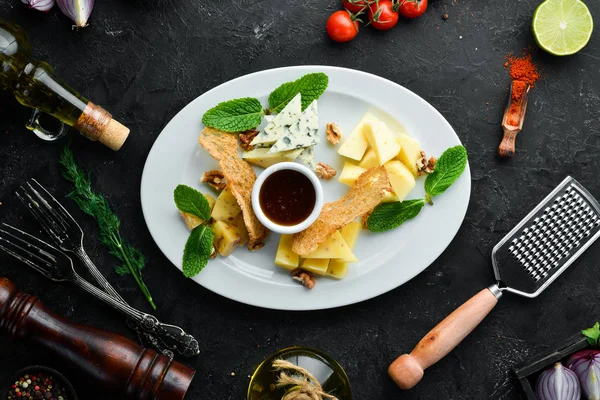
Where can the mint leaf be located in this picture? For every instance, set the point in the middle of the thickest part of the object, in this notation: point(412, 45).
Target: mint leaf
point(592, 334)
point(311, 86)
point(191, 201)
point(197, 250)
point(388, 216)
point(236, 115)
point(448, 168)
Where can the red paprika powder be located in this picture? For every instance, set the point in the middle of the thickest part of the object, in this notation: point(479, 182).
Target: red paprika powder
point(523, 72)
point(519, 88)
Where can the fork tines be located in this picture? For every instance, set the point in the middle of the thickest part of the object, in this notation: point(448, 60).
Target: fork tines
point(32, 251)
point(55, 220)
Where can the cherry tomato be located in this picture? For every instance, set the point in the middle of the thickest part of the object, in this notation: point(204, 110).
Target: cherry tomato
point(383, 15)
point(341, 26)
point(413, 8)
point(354, 6)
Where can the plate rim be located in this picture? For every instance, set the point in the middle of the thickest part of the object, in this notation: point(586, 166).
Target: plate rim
point(356, 298)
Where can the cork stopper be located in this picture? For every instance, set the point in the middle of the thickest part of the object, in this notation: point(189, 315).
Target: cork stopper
point(98, 125)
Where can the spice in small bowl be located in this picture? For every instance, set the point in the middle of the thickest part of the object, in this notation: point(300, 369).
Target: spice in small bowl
point(287, 197)
point(37, 382)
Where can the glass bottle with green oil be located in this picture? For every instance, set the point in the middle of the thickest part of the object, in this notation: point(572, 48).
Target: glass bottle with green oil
point(330, 375)
point(35, 85)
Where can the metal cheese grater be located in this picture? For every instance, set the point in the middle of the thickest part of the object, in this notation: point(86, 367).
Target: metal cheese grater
point(526, 261)
point(547, 241)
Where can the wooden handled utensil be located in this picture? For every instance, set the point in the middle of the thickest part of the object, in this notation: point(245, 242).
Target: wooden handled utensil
point(514, 115)
point(116, 364)
point(530, 257)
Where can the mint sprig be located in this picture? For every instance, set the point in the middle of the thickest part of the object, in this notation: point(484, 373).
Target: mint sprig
point(448, 169)
point(199, 245)
point(197, 250)
point(236, 115)
point(310, 87)
point(191, 201)
point(388, 216)
point(592, 334)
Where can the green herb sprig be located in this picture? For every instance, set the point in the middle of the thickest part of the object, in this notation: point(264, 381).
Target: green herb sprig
point(448, 169)
point(199, 245)
point(109, 225)
point(240, 115)
point(593, 334)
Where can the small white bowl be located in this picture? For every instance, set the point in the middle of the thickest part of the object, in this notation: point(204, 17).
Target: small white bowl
point(272, 226)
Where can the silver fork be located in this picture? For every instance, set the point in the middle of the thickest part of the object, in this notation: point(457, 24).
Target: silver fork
point(57, 266)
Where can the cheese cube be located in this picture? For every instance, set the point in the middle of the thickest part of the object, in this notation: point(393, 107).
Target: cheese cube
point(226, 207)
point(226, 238)
point(338, 269)
point(401, 178)
point(285, 257)
point(317, 266)
point(410, 153)
point(369, 160)
point(333, 247)
point(193, 221)
point(350, 173)
point(261, 156)
point(356, 144)
point(239, 227)
point(383, 140)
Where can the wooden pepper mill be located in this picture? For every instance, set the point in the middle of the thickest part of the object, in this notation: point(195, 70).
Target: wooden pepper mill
point(115, 362)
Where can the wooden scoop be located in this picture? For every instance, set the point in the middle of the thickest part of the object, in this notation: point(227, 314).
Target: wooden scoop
point(514, 115)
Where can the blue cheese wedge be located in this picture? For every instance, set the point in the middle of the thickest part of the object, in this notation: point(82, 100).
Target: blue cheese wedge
point(280, 124)
point(303, 133)
point(308, 157)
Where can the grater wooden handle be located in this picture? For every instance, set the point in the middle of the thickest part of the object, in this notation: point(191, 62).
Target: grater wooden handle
point(408, 369)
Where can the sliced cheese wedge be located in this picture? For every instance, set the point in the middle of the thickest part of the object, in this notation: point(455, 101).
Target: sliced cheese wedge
point(369, 160)
point(302, 133)
point(279, 125)
point(350, 173)
point(356, 144)
point(285, 257)
point(401, 179)
point(317, 266)
point(410, 153)
point(261, 156)
point(334, 247)
point(382, 140)
point(338, 269)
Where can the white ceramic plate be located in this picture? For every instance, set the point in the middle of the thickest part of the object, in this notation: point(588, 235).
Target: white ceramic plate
point(387, 260)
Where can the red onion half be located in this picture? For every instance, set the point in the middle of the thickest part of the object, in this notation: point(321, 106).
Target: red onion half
point(40, 5)
point(558, 383)
point(586, 365)
point(78, 10)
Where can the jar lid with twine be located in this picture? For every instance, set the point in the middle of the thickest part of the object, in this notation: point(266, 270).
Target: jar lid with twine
point(98, 125)
point(302, 385)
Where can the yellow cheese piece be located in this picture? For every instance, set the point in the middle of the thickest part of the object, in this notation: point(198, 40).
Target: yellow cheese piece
point(285, 257)
point(338, 269)
point(261, 156)
point(369, 160)
point(390, 197)
point(317, 266)
point(226, 207)
point(401, 179)
point(410, 153)
point(350, 173)
point(239, 227)
point(334, 247)
point(193, 221)
point(226, 238)
point(382, 140)
point(356, 144)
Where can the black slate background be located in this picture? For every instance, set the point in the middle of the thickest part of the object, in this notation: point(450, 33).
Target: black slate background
point(145, 60)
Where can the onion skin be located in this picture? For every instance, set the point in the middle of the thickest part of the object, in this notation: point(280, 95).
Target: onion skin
point(586, 365)
point(558, 383)
point(40, 5)
point(78, 10)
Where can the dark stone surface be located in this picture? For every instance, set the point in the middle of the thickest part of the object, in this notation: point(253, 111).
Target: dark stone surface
point(145, 60)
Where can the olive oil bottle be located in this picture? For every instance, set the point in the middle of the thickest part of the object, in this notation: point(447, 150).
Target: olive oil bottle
point(330, 375)
point(35, 85)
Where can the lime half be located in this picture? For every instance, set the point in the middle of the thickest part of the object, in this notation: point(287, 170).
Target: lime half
point(562, 27)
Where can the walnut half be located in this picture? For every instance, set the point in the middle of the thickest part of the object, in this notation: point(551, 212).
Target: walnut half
point(424, 165)
point(333, 133)
point(306, 278)
point(246, 138)
point(325, 171)
point(214, 178)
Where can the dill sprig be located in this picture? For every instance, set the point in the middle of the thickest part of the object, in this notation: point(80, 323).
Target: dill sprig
point(95, 205)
